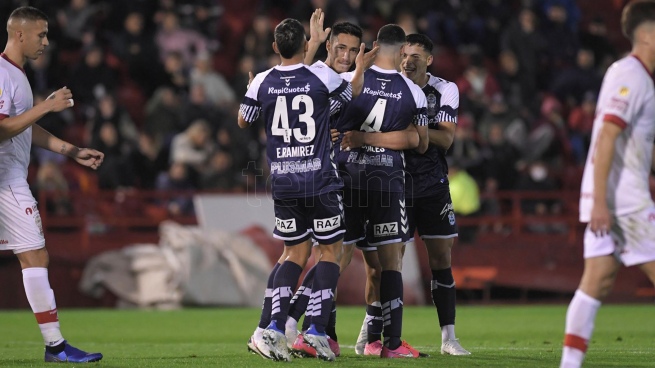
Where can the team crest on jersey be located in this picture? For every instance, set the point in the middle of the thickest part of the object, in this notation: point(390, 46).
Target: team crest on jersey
point(285, 226)
point(624, 91)
point(432, 104)
point(451, 218)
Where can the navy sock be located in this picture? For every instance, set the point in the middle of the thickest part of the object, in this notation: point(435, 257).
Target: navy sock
point(286, 279)
point(325, 282)
point(374, 322)
point(331, 328)
point(56, 349)
point(300, 300)
point(265, 318)
point(391, 297)
point(443, 295)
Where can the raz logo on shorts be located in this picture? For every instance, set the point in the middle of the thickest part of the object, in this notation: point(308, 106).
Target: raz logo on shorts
point(386, 229)
point(285, 226)
point(327, 224)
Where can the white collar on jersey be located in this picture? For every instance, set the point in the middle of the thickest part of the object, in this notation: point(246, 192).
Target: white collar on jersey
point(385, 71)
point(289, 67)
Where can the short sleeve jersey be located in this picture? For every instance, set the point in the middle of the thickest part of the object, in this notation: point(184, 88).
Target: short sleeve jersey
point(626, 99)
point(389, 101)
point(15, 99)
point(427, 174)
point(296, 102)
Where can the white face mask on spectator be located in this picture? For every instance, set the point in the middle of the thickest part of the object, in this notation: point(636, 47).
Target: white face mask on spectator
point(538, 173)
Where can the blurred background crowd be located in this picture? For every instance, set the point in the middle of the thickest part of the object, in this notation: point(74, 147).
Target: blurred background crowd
point(157, 85)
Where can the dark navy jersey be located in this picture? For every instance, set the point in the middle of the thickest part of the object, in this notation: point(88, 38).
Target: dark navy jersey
point(389, 101)
point(297, 102)
point(427, 174)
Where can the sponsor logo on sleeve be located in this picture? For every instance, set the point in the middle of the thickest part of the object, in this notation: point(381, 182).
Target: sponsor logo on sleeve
point(285, 226)
point(624, 91)
point(386, 229)
point(327, 224)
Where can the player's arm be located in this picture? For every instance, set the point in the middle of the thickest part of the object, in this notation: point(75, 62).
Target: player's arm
point(250, 107)
point(603, 155)
point(421, 120)
point(423, 138)
point(444, 136)
point(396, 140)
point(363, 61)
point(11, 126)
point(84, 156)
point(317, 35)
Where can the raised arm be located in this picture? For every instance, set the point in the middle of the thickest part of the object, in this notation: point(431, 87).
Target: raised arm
point(317, 35)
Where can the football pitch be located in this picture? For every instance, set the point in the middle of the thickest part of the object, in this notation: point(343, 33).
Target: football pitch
point(497, 336)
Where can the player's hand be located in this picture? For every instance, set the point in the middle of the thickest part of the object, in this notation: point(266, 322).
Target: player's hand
point(89, 157)
point(316, 31)
point(366, 59)
point(60, 99)
point(352, 139)
point(334, 135)
point(601, 221)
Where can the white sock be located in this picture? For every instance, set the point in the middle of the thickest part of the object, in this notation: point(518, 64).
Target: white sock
point(42, 300)
point(259, 333)
point(579, 327)
point(447, 333)
point(291, 325)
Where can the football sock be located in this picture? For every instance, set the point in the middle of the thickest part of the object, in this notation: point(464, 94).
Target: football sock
point(374, 321)
point(391, 295)
point(580, 319)
point(56, 349)
point(325, 282)
point(265, 318)
point(286, 279)
point(300, 299)
point(443, 297)
point(331, 328)
point(42, 300)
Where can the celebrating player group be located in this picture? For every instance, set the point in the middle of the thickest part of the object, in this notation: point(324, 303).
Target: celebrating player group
point(357, 161)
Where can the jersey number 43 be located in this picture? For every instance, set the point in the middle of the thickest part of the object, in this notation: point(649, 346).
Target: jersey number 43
point(280, 125)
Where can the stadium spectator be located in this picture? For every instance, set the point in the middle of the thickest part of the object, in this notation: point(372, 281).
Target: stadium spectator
point(171, 38)
point(193, 147)
point(580, 124)
point(217, 90)
point(477, 86)
point(177, 178)
point(570, 84)
point(50, 180)
point(466, 197)
point(92, 78)
point(163, 115)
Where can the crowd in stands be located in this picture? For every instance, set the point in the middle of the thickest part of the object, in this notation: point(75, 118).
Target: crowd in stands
point(157, 85)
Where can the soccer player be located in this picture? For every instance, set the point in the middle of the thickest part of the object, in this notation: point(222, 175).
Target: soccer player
point(296, 102)
point(343, 46)
point(429, 207)
point(20, 223)
point(615, 200)
point(374, 177)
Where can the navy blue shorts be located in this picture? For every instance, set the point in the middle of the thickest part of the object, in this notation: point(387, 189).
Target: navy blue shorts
point(433, 216)
point(299, 219)
point(378, 217)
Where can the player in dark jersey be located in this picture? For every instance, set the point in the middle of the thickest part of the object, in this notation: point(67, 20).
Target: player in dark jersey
point(374, 177)
point(296, 102)
point(429, 206)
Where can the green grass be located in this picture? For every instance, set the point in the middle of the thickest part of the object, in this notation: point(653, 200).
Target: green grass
point(498, 336)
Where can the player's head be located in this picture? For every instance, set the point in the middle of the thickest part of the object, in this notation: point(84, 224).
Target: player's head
point(391, 39)
point(343, 45)
point(638, 20)
point(290, 38)
point(27, 29)
point(417, 56)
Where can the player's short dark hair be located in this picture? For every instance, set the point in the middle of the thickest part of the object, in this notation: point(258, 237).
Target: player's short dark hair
point(28, 13)
point(391, 34)
point(636, 13)
point(346, 28)
point(289, 37)
point(421, 40)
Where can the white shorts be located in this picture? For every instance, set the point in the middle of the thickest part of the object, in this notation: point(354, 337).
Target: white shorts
point(20, 221)
point(631, 239)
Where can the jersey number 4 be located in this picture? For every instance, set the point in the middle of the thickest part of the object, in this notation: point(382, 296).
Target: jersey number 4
point(373, 121)
point(280, 125)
